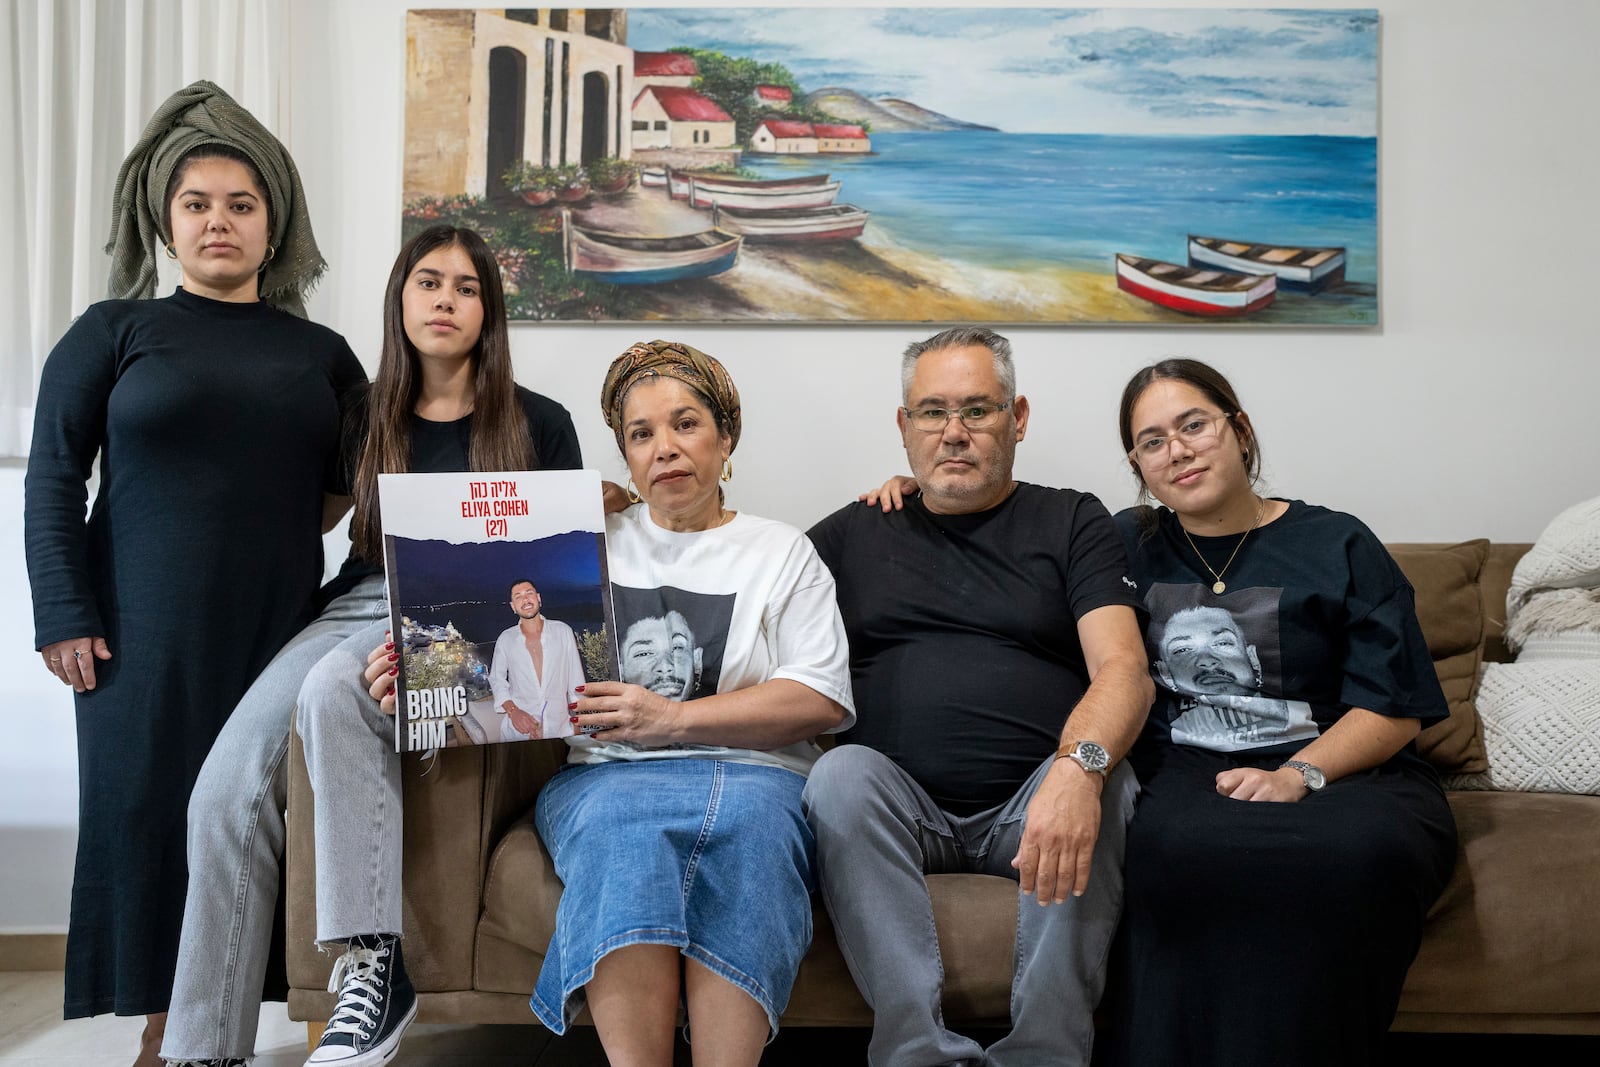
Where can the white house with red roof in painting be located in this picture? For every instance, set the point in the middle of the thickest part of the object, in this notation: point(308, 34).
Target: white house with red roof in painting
point(772, 96)
point(672, 117)
point(787, 137)
point(784, 137)
point(836, 137)
point(675, 70)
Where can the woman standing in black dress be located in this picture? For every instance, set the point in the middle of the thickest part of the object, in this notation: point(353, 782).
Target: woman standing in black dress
point(215, 415)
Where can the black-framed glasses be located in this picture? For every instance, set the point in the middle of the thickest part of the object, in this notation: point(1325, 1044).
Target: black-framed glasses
point(972, 416)
point(1199, 432)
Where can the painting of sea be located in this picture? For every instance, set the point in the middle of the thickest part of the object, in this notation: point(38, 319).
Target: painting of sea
point(1008, 165)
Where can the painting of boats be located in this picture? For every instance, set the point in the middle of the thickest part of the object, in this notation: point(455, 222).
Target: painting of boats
point(636, 259)
point(680, 181)
point(1312, 269)
point(834, 222)
point(1002, 156)
point(1195, 291)
point(704, 194)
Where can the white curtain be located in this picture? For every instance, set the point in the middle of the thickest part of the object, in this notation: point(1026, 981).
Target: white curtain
point(78, 80)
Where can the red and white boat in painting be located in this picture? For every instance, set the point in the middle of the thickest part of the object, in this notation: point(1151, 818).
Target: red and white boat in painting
point(1294, 267)
point(1195, 290)
point(834, 222)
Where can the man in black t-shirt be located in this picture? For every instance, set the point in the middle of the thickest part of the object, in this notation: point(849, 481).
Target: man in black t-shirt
point(1000, 676)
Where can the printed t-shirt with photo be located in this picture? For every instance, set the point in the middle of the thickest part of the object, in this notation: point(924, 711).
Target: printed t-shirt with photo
point(750, 597)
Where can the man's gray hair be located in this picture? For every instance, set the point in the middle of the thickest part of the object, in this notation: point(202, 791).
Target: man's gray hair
point(961, 337)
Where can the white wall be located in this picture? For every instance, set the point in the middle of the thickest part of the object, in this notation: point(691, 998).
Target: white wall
point(1472, 412)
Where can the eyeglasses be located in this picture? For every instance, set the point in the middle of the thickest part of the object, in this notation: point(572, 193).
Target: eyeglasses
point(1199, 432)
point(972, 416)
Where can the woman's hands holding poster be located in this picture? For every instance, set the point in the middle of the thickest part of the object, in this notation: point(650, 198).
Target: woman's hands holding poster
point(383, 665)
point(620, 711)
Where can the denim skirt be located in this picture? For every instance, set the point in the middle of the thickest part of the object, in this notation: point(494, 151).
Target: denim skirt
point(711, 857)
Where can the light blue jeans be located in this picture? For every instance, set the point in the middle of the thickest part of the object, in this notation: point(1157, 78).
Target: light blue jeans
point(236, 839)
point(878, 833)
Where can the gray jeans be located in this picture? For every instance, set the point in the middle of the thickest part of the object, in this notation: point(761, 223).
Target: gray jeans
point(355, 773)
point(236, 838)
point(878, 833)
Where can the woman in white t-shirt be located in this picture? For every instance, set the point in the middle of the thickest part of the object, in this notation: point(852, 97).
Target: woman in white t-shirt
point(676, 827)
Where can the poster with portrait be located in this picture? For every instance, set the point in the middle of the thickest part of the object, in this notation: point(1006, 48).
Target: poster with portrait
point(1222, 655)
point(499, 602)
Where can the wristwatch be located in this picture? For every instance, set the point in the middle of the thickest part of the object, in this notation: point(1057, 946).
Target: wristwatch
point(1313, 776)
point(1088, 755)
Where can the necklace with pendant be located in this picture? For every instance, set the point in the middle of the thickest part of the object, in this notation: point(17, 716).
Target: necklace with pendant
point(1220, 586)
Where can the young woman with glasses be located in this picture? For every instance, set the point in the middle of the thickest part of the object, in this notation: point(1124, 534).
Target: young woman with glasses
point(1289, 840)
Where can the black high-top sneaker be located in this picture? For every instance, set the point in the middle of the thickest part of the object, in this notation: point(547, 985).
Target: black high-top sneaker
point(376, 1004)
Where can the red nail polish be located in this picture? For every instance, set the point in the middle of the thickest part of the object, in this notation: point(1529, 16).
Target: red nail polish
point(572, 707)
point(389, 647)
point(574, 720)
point(394, 670)
point(393, 656)
point(577, 689)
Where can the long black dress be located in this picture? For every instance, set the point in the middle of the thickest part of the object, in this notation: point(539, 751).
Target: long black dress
point(217, 425)
point(1257, 934)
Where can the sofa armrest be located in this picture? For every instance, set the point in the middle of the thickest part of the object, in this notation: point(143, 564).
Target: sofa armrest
point(457, 805)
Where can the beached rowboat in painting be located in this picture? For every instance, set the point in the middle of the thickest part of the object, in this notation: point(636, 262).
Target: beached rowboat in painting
point(834, 222)
point(706, 193)
point(678, 182)
point(653, 177)
point(1196, 291)
point(1294, 267)
point(634, 259)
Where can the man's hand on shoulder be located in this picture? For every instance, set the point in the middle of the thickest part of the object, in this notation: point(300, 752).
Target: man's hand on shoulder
point(1058, 837)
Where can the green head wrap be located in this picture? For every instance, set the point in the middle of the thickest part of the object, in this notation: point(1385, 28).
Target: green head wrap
point(202, 114)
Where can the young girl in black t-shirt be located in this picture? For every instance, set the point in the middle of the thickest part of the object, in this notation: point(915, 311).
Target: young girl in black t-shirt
point(444, 400)
point(1288, 841)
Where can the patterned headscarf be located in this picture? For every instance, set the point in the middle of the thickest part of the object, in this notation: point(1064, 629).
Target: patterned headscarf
point(670, 359)
point(196, 115)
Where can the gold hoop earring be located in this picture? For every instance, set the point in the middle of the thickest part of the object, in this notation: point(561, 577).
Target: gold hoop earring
point(727, 470)
point(171, 250)
point(633, 494)
point(270, 253)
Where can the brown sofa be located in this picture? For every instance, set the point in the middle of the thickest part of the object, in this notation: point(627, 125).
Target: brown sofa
point(1512, 946)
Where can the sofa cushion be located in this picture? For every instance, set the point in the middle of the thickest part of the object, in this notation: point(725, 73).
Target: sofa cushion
point(1450, 609)
point(1514, 931)
point(520, 894)
point(1541, 726)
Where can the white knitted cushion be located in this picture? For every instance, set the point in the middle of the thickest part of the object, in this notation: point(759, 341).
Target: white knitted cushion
point(1541, 727)
point(1565, 558)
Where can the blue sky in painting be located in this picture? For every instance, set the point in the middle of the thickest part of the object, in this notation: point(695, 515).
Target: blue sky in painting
point(1070, 70)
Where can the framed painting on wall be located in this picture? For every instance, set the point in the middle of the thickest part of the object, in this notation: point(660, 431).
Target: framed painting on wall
point(788, 164)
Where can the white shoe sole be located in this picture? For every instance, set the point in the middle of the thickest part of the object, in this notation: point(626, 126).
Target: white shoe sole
point(377, 1055)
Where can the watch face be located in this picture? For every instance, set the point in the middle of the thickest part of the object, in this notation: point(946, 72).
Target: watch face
point(1311, 775)
point(1092, 756)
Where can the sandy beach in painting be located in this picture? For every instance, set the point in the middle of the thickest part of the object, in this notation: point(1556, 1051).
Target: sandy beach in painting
point(877, 279)
point(871, 279)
